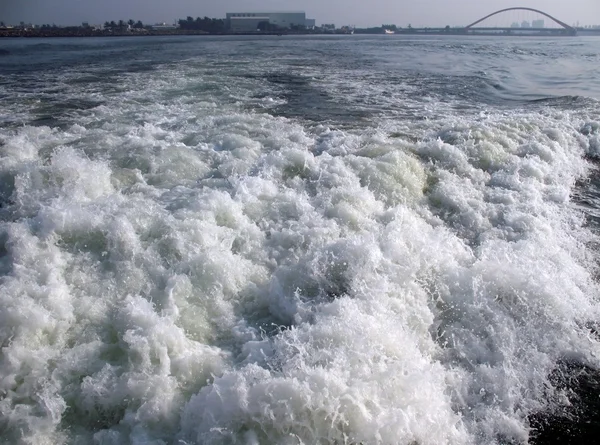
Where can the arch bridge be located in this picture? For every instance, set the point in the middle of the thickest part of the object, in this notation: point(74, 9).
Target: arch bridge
point(566, 27)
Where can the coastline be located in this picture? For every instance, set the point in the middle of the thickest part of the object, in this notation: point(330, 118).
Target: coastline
point(69, 32)
point(62, 32)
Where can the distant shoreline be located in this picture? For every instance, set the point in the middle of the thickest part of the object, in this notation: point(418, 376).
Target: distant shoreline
point(61, 32)
point(32, 33)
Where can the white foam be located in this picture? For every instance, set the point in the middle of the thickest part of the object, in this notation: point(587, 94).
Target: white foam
point(212, 275)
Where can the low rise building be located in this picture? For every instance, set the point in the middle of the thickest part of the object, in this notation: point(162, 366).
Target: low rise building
point(165, 26)
point(251, 21)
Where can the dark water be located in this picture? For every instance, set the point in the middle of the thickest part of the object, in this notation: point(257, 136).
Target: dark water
point(257, 240)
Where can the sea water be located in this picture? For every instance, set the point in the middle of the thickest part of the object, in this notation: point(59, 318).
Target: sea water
point(295, 240)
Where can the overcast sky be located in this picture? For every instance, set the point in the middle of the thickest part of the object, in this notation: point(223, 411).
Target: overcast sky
point(339, 12)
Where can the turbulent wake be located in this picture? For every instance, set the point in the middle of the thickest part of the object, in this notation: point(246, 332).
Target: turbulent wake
point(204, 252)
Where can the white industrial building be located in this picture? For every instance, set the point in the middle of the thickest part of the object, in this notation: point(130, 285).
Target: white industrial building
point(249, 21)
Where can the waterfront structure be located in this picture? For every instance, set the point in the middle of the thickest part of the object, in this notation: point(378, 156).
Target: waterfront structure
point(563, 30)
point(250, 21)
point(165, 26)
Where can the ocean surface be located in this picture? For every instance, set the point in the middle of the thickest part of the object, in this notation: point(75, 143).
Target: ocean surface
point(297, 240)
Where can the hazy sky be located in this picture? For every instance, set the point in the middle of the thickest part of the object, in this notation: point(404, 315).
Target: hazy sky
point(339, 12)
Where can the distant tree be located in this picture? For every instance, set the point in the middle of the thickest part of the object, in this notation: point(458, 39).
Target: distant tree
point(217, 25)
point(295, 27)
point(205, 24)
point(106, 25)
point(265, 26)
point(2, 25)
point(190, 23)
point(138, 25)
point(113, 24)
point(130, 22)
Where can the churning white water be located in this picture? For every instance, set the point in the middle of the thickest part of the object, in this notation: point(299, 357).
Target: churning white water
point(196, 253)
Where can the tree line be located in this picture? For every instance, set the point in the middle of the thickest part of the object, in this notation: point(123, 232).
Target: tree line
point(205, 24)
point(122, 25)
